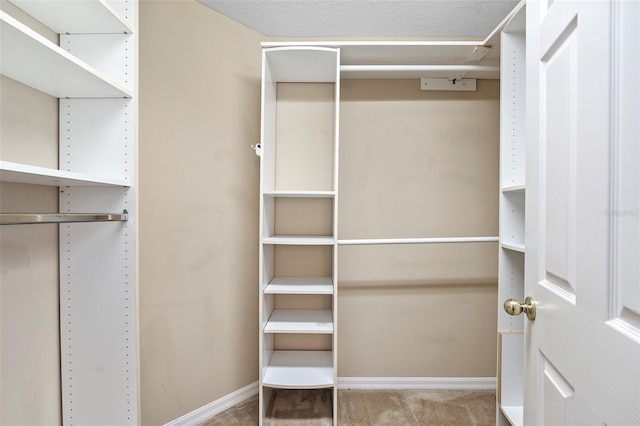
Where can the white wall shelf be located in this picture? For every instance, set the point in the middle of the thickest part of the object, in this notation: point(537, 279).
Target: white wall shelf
point(33, 60)
point(307, 321)
point(514, 414)
point(300, 285)
point(299, 370)
point(514, 188)
point(76, 17)
point(300, 194)
point(33, 175)
point(409, 56)
point(294, 240)
point(513, 246)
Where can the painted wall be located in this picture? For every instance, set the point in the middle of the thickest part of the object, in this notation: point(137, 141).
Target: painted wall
point(29, 337)
point(198, 205)
point(417, 164)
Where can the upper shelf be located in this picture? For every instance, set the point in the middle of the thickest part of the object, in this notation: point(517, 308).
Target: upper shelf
point(300, 194)
point(21, 173)
point(301, 64)
point(75, 17)
point(409, 60)
point(33, 60)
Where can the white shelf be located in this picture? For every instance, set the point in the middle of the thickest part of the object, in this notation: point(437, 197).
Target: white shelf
point(75, 17)
point(33, 60)
point(514, 188)
point(513, 246)
point(300, 285)
point(307, 321)
point(303, 64)
point(300, 194)
point(299, 370)
point(515, 415)
point(22, 173)
point(295, 240)
point(406, 55)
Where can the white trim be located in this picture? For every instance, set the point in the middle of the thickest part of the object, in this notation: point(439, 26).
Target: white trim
point(216, 407)
point(417, 383)
point(210, 410)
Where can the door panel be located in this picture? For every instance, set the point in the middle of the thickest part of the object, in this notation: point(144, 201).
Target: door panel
point(559, 103)
point(625, 212)
point(557, 403)
point(582, 353)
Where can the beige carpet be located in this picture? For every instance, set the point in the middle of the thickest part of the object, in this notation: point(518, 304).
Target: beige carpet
point(365, 408)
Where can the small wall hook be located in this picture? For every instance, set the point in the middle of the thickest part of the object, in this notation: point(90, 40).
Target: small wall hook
point(258, 149)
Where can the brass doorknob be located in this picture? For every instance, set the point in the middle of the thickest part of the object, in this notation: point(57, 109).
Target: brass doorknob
point(515, 308)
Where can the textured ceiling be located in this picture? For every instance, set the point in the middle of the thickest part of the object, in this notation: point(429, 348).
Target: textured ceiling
point(372, 18)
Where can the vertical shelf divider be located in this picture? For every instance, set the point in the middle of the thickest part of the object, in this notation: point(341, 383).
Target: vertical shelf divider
point(512, 219)
point(298, 221)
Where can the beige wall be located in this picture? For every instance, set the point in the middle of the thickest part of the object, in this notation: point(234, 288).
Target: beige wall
point(417, 164)
point(29, 331)
point(198, 205)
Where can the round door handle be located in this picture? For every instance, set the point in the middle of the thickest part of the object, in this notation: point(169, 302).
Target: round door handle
point(515, 308)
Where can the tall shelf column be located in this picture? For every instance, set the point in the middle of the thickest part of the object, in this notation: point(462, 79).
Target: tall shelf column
point(512, 220)
point(93, 73)
point(298, 235)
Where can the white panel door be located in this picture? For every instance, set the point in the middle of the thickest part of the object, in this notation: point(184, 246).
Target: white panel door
point(582, 352)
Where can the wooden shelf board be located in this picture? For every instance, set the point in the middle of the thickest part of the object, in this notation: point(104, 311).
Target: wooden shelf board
point(305, 321)
point(299, 370)
point(33, 175)
point(300, 194)
point(296, 240)
point(514, 188)
point(405, 53)
point(33, 60)
point(513, 246)
point(302, 64)
point(515, 415)
point(300, 285)
point(75, 17)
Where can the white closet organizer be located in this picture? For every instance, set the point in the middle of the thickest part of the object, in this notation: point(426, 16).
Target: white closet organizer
point(298, 221)
point(293, 196)
point(94, 74)
point(512, 220)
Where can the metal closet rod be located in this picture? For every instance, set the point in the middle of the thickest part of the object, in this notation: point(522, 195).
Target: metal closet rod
point(28, 218)
point(437, 240)
point(393, 68)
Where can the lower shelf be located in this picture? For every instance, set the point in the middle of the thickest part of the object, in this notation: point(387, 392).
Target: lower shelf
point(299, 370)
point(515, 415)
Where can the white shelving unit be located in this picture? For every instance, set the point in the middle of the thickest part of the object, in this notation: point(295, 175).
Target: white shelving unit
point(300, 285)
point(310, 321)
point(33, 175)
point(299, 370)
point(298, 253)
point(94, 74)
point(512, 220)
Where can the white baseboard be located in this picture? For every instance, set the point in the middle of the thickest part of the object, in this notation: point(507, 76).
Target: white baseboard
point(208, 411)
point(488, 383)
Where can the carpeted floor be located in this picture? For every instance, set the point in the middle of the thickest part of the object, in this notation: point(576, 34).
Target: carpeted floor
point(367, 408)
